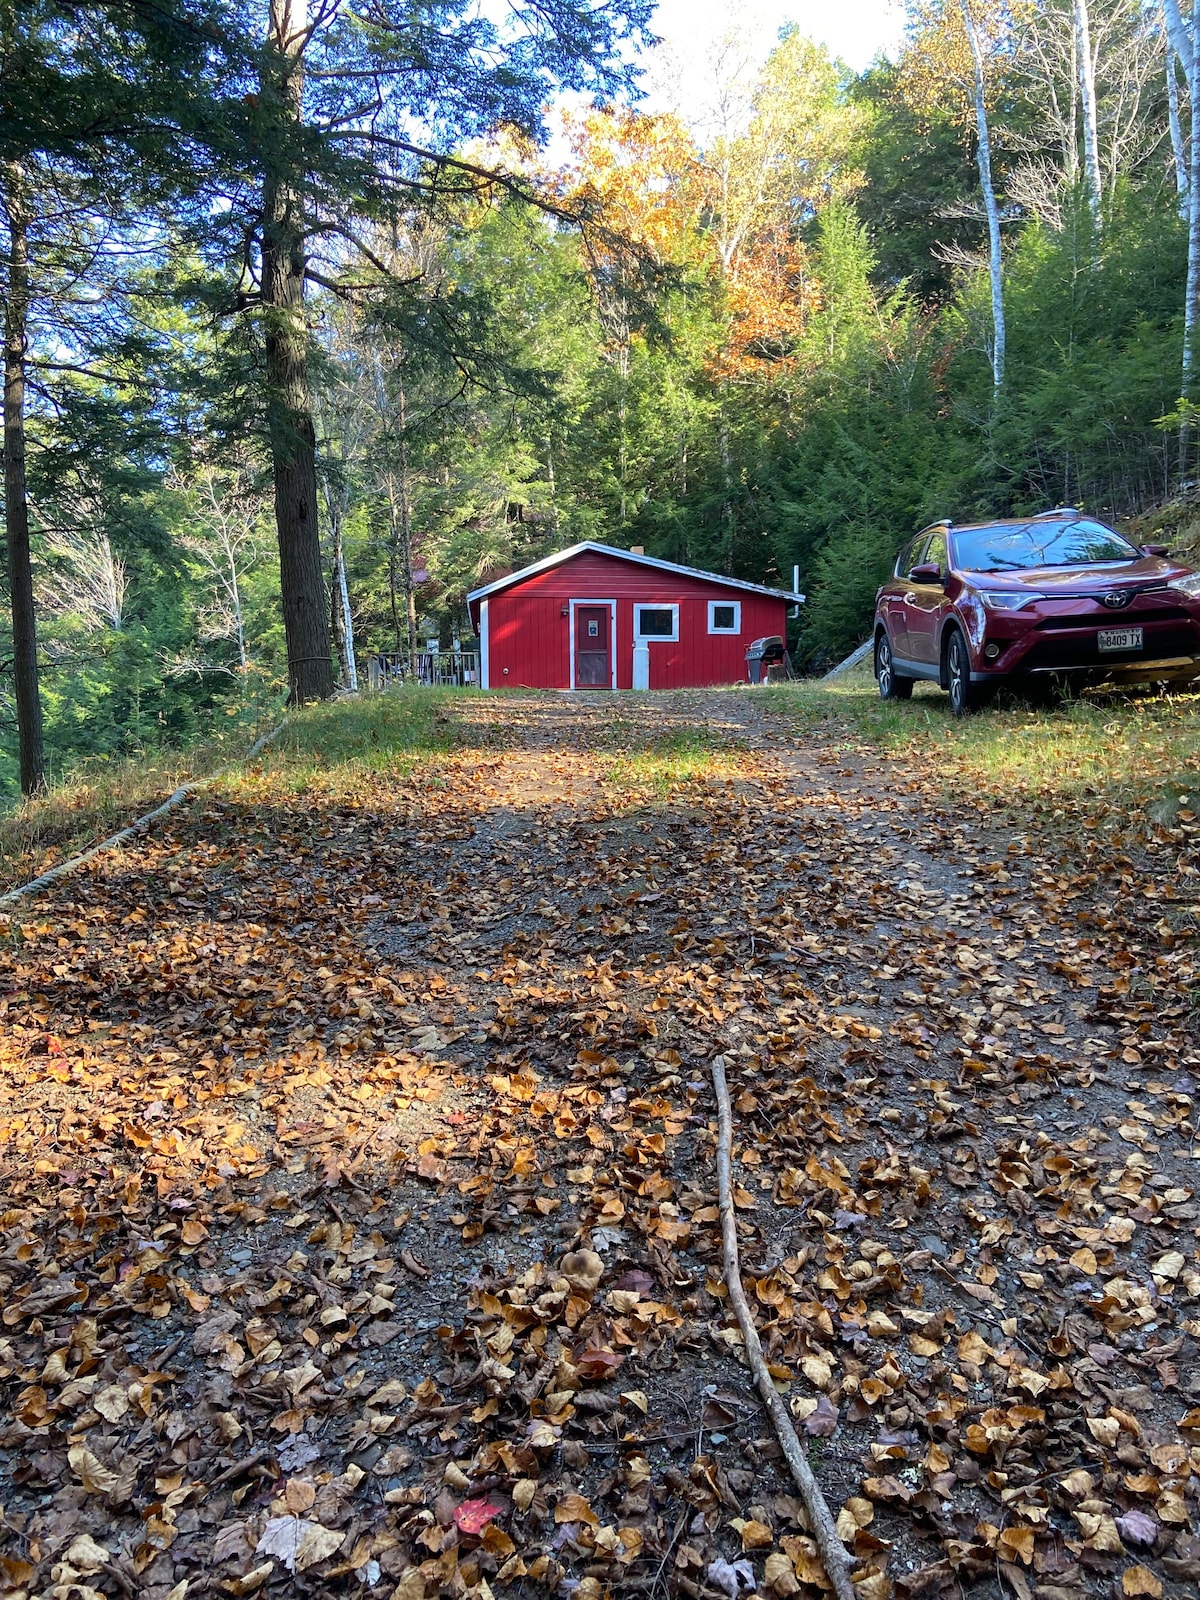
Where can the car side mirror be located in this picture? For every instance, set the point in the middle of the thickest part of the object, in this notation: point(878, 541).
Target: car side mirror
point(1156, 549)
point(927, 572)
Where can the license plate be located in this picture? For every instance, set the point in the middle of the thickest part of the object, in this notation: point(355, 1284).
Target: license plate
point(1119, 639)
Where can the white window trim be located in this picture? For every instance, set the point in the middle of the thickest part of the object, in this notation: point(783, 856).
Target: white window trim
point(612, 636)
point(737, 616)
point(654, 638)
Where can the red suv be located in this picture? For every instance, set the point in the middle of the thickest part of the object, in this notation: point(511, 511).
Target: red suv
point(1056, 594)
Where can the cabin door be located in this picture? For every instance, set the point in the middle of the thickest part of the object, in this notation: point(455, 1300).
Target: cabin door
point(593, 663)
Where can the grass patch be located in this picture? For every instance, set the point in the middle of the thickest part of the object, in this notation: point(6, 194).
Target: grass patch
point(652, 762)
point(650, 775)
point(327, 748)
point(324, 749)
point(100, 797)
point(1131, 761)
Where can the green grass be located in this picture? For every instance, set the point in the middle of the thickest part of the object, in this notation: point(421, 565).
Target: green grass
point(650, 762)
point(1130, 761)
point(328, 748)
point(103, 795)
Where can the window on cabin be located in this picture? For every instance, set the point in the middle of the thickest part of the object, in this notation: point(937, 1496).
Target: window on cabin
point(655, 622)
point(724, 616)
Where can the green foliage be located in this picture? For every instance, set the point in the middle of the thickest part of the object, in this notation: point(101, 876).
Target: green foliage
point(782, 362)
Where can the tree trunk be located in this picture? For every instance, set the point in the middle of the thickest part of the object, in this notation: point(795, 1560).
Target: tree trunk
point(410, 592)
point(1185, 39)
point(289, 393)
point(342, 602)
point(1087, 92)
point(394, 556)
point(16, 503)
point(235, 600)
point(1179, 159)
point(728, 516)
point(983, 157)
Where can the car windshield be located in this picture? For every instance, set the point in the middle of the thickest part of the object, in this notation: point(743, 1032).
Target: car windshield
point(1013, 547)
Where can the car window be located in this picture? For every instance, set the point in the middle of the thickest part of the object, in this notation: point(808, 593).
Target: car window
point(937, 552)
point(1012, 547)
point(910, 555)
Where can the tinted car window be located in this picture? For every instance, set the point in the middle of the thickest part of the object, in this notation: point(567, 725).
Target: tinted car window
point(937, 552)
point(910, 556)
point(1012, 547)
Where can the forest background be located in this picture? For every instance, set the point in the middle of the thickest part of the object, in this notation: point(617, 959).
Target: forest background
point(784, 327)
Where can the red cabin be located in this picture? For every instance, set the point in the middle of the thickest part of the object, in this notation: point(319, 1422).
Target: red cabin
point(593, 617)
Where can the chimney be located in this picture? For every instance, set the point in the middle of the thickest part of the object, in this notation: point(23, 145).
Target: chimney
point(637, 549)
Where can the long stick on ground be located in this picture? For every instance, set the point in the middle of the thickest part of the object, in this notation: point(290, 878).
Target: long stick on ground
point(139, 825)
point(833, 1551)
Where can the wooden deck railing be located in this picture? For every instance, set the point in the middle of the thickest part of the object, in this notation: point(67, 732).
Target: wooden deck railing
point(456, 669)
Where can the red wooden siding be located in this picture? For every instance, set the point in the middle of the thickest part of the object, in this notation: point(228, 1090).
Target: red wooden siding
point(529, 637)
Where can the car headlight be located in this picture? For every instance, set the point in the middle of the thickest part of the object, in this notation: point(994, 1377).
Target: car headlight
point(1189, 585)
point(1002, 600)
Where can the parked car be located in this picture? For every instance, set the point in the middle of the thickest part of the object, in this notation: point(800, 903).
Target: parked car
point(1055, 595)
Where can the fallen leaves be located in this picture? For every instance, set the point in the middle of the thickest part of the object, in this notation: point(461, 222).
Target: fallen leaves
point(378, 1241)
point(296, 1543)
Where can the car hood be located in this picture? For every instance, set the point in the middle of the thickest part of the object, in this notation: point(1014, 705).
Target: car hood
point(1148, 572)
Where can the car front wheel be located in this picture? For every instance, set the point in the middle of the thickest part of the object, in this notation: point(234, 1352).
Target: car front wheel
point(963, 698)
point(891, 685)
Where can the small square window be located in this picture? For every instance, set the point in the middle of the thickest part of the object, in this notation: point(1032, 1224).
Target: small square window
point(656, 622)
point(724, 616)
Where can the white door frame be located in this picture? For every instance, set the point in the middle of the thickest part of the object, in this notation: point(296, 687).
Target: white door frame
point(484, 644)
point(612, 648)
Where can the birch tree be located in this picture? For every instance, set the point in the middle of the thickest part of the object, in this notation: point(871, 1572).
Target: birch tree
point(1086, 67)
point(88, 579)
point(957, 50)
point(1184, 33)
point(983, 158)
point(225, 537)
point(1178, 153)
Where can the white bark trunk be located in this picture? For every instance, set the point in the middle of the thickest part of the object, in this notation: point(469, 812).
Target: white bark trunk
point(1185, 38)
point(984, 162)
point(1087, 92)
point(350, 664)
point(1178, 155)
point(234, 590)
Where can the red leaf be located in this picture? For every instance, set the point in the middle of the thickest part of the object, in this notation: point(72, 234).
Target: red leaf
point(473, 1516)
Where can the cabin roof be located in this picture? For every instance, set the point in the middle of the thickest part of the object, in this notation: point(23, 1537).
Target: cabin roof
point(637, 560)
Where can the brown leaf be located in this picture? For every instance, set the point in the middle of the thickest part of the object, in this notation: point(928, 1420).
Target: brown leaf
point(1141, 1581)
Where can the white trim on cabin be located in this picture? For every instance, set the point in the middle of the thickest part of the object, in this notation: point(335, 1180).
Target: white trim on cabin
point(733, 605)
point(641, 561)
point(655, 638)
point(484, 647)
point(612, 644)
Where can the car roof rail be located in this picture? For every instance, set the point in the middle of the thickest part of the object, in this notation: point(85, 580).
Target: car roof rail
point(938, 522)
point(1059, 511)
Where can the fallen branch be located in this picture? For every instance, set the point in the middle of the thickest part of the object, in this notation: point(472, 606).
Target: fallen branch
point(139, 825)
point(833, 1551)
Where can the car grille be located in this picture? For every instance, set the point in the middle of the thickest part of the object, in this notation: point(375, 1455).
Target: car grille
point(1134, 616)
point(1083, 652)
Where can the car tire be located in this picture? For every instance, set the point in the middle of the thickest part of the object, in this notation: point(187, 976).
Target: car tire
point(891, 685)
point(963, 696)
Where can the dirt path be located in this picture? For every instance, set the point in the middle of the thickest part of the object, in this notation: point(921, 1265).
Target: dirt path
point(306, 1101)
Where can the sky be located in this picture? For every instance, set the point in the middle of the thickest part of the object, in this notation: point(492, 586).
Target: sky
point(855, 30)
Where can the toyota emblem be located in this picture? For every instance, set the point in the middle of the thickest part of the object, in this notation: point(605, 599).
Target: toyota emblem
point(1117, 599)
